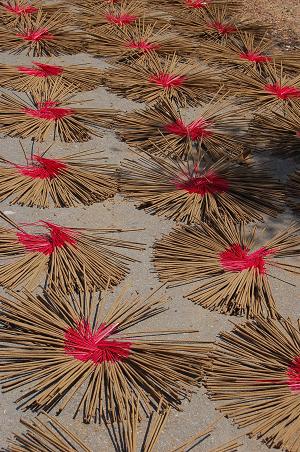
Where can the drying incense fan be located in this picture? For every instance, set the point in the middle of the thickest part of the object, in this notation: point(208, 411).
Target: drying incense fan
point(40, 77)
point(293, 191)
point(154, 79)
point(14, 11)
point(227, 255)
point(244, 52)
point(162, 130)
point(216, 23)
point(50, 114)
point(272, 90)
point(255, 376)
point(80, 178)
point(277, 131)
point(62, 256)
point(110, 15)
point(66, 343)
point(45, 434)
point(43, 35)
point(195, 190)
point(137, 41)
point(122, 15)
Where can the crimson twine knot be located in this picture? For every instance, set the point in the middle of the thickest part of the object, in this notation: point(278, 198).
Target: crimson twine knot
point(144, 46)
point(255, 57)
point(41, 70)
point(196, 130)
point(238, 258)
point(282, 92)
point(85, 345)
point(42, 168)
point(36, 35)
point(202, 184)
point(48, 110)
point(121, 19)
point(223, 29)
point(197, 4)
point(167, 80)
point(20, 10)
point(47, 243)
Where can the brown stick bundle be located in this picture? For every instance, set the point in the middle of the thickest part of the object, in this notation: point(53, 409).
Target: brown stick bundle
point(293, 191)
point(13, 11)
point(60, 343)
point(80, 178)
point(63, 257)
point(255, 374)
point(272, 90)
point(226, 253)
point(123, 14)
point(45, 434)
point(137, 41)
point(278, 131)
point(162, 130)
point(40, 77)
point(42, 35)
point(244, 52)
point(196, 190)
point(51, 114)
point(215, 23)
point(151, 80)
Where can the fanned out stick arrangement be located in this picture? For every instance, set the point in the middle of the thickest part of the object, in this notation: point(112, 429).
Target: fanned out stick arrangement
point(80, 178)
point(255, 377)
point(227, 255)
point(62, 257)
point(272, 90)
point(41, 76)
point(51, 114)
point(214, 23)
point(194, 190)
point(137, 41)
point(56, 344)
point(162, 130)
point(14, 11)
point(153, 79)
point(42, 35)
point(45, 434)
point(244, 52)
point(293, 191)
point(110, 15)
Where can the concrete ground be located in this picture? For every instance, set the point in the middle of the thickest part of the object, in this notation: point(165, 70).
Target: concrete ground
point(182, 313)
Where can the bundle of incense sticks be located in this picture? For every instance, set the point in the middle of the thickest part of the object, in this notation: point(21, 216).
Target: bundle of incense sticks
point(61, 256)
point(41, 76)
point(66, 342)
point(51, 114)
point(195, 190)
point(42, 35)
point(230, 274)
point(80, 178)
